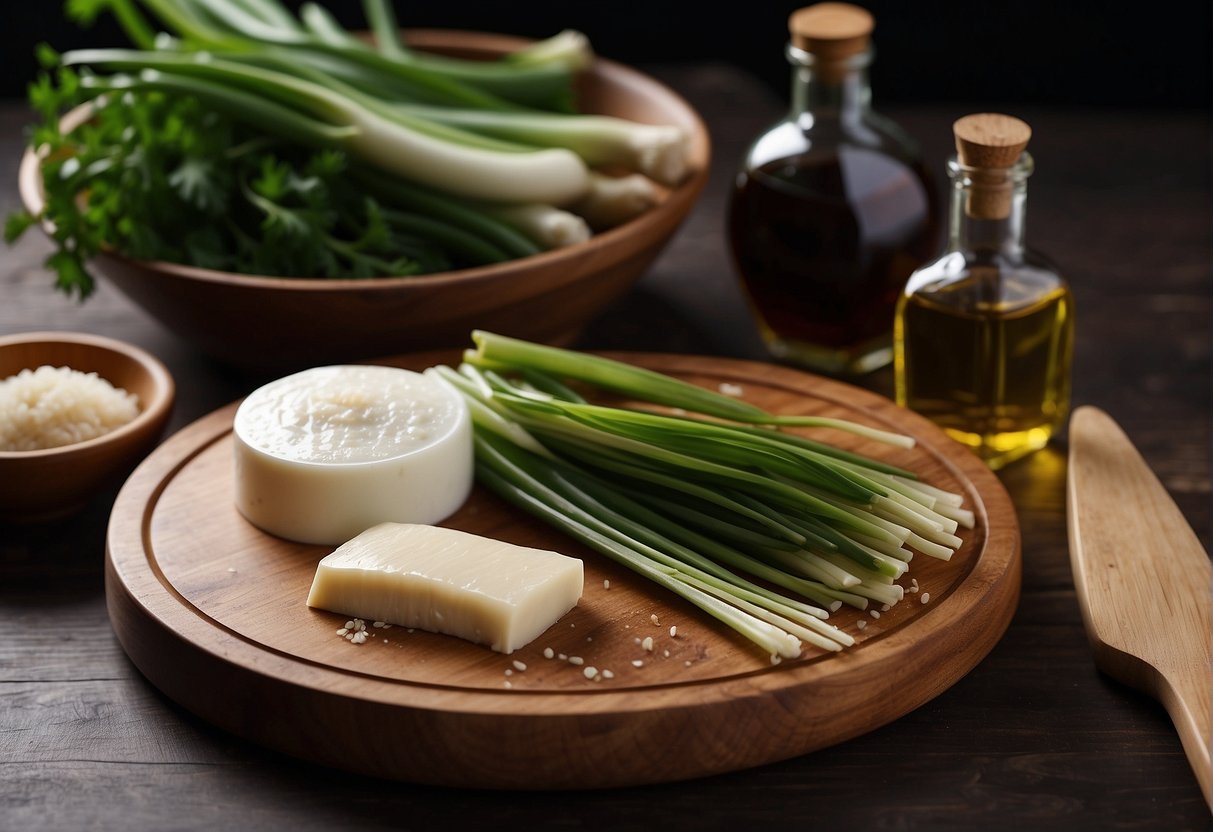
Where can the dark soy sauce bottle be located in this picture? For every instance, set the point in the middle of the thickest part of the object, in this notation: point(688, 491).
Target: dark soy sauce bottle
point(832, 209)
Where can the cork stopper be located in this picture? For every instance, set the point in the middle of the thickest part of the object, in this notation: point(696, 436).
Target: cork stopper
point(831, 32)
point(990, 144)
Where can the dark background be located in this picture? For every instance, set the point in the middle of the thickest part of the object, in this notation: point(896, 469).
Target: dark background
point(1154, 55)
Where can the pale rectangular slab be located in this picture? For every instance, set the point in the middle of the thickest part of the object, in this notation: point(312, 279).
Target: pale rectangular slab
point(446, 581)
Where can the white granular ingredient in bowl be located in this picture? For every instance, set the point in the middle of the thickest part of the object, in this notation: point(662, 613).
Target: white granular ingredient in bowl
point(51, 407)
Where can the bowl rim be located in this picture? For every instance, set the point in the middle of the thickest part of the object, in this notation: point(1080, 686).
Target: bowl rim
point(29, 184)
point(150, 412)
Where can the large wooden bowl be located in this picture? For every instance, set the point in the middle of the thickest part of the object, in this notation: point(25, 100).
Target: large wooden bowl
point(286, 323)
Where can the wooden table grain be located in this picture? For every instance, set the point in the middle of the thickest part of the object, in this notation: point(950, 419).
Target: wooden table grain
point(1033, 738)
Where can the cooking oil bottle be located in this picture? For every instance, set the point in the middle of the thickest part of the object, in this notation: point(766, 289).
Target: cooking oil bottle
point(983, 335)
point(832, 208)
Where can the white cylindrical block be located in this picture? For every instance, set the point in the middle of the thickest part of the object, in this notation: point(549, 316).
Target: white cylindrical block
point(324, 454)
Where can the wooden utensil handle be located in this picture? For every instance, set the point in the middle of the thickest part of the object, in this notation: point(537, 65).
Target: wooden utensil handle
point(1186, 698)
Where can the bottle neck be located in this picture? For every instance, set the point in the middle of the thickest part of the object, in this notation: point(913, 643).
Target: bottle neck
point(988, 209)
point(836, 90)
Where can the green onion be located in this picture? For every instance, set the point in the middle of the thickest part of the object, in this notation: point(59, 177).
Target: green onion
point(766, 531)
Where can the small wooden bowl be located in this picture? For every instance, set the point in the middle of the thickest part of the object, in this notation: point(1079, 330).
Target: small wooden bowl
point(271, 323)
point(46, 484)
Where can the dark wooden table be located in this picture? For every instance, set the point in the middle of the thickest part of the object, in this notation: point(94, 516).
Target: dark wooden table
point(1033, 738)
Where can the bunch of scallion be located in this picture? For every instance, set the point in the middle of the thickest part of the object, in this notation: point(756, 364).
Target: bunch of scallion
point(718, 507)
point(237, 135)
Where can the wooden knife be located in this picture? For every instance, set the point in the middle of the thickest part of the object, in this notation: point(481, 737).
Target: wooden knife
point(1144, 581)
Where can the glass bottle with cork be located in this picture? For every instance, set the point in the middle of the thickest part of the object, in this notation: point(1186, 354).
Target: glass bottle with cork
point(984, 334)
point(832, 208)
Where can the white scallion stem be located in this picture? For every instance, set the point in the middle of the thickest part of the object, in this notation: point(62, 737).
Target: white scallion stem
point(548, 226)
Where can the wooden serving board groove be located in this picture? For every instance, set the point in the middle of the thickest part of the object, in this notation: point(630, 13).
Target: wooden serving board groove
point(212, 612)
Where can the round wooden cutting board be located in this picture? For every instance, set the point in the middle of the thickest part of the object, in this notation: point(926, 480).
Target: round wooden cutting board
point(212, 611)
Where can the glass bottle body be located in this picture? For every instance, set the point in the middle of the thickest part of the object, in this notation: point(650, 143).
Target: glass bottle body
point(831, 212)
point(983, 336)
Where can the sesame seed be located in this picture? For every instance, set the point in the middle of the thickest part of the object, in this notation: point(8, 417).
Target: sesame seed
point(776, 658)
point(875, 613)
point(590, 671)
point(576, 660)
point(687, 663)
point(562, 656)
point(665, 653)
point(509, 672)
point(519, 666)
point(547, 653)
point(926, 596)
point(647, 644)
point(231, 569)
point(589, 638)
point(637, 662)
point(377, 624)
point(860, 624)
point(342, 631)
point(655, 620)
point(673, 632)
point(884, 607)
point(606, 674)
point(606, 584)
point(508, 684)
point(349, 625)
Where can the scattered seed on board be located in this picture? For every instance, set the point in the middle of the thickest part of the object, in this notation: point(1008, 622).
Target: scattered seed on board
point(590, 671)
point(673, 632)
point(564, 657)
point(508, 684)
point(647, 644)
point(519, 666)
point(509, 672)
point(548, 653)
point(875, 613)
point(576, 660)
point(860, 624)
point(231, 569)
point(730, 389)
point(354, 631)
point(776, 658)
point(377, 625)
point(655, 620)
point(637, 662)
point(606, 584)
point(687, 663)
point(606, 674)
point(926, 596)
point(665, 653)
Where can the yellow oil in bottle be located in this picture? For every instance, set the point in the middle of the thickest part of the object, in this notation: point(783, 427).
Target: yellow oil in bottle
point(991, 368)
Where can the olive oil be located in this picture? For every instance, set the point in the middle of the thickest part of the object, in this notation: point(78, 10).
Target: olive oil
point(994, 375)
point(983, 335)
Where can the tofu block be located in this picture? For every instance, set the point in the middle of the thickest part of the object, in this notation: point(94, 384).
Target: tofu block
point(446, 581)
